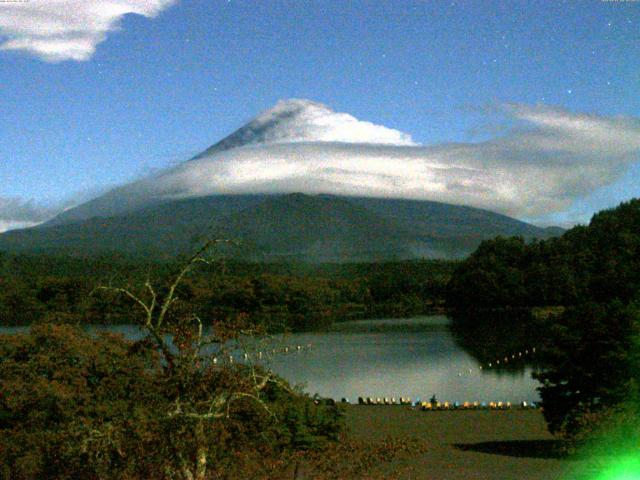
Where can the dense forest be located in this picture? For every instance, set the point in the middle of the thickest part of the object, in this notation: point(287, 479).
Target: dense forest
point(294, 296)
point(579, 296)
point(599, 262)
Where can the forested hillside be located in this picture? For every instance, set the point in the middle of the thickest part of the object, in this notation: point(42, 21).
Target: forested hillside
point(598, 262)
point(274, 228)
point(39, 288)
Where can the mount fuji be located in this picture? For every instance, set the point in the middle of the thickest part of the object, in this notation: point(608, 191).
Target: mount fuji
point(300, 181)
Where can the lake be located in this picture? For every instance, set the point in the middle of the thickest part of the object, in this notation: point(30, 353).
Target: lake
point(415, 357)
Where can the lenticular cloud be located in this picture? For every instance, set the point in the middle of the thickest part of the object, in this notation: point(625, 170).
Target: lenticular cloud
point(550, 158)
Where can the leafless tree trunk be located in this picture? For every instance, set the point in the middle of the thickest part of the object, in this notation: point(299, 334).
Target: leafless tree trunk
point(156, 309)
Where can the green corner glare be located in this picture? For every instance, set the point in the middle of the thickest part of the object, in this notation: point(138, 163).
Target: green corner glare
point(626, 468)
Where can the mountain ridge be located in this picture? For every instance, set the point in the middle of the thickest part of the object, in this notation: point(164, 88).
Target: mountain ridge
point(272, 183)
point(296, 226)
point(300, 120)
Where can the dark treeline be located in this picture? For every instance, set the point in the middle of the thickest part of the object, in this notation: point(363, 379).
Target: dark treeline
point(296, 296)
point(579, 296)
point(597, 263)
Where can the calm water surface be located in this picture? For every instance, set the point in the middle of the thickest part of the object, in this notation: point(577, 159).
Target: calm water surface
point(398, 357)
point(415, 357)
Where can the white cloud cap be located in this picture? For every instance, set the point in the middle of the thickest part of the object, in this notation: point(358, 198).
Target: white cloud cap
point(298, 121)
point(547, 161)
point(58, 30)
point(550, 158)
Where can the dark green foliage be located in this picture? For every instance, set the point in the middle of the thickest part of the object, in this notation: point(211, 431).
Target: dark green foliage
point(593, 362)
point(590, 357)
point(298, 296)
point(492, 276)
point(599, 262)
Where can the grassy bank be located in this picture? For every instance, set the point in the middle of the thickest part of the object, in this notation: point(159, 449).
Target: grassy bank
point(467, 445)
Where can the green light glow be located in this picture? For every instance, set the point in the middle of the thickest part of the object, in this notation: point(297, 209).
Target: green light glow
point(623, 468)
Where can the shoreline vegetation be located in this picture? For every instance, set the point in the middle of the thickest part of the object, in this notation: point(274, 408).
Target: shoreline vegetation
point(75, 405)
point(293, 297)
point(578, 295)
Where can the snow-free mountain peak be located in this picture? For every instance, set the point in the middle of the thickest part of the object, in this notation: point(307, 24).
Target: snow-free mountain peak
point(300, 120)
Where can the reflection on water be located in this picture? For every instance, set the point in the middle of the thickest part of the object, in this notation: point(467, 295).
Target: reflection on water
point(415, 357)
point(493, 337)
point(403, 357)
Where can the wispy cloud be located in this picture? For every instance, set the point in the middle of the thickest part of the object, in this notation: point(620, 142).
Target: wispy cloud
point(543, 163)
point(58, 30)
point(550, 158)
point(18, 213)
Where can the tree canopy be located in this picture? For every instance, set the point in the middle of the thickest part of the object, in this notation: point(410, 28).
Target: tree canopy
point(76, 405)
point(40, 288)
point(589, 341)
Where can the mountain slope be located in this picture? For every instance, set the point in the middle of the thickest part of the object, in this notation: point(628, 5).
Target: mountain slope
point(259, 157)
point(275, 227)
point(246, 187)
point(319, 228)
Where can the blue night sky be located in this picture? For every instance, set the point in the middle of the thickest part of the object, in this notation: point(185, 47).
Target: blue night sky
point(164, 86)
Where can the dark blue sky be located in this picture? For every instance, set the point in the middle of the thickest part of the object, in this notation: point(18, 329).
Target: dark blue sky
point(161, 89)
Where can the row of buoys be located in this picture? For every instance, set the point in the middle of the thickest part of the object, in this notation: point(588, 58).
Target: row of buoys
point(262, 354)
point(430, 406)
point(513, 356)
point(504, 360)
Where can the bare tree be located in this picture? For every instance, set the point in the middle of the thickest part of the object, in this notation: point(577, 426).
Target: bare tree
point(193, 355)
